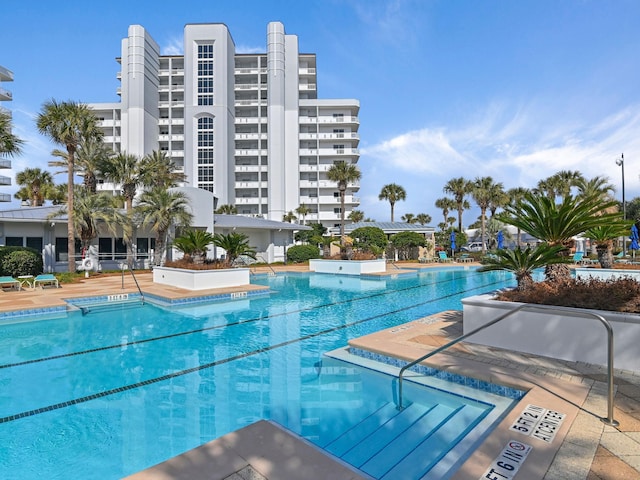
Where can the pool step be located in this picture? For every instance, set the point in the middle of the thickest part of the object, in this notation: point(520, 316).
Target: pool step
point(394, 444)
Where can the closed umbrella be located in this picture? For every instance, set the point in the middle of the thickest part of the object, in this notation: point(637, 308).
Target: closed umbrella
point(634, 239)
point(452, 239)
point(500, 239)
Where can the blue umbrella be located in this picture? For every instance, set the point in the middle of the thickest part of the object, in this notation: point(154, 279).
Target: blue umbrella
point(452, 238)
point(500, 239)
point(634, 239)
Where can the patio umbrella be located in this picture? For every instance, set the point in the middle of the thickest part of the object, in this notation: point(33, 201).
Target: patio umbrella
point(634, 239)
point(500, 239)
point(452, 239)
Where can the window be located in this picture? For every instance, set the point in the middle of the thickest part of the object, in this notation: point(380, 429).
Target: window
point(206, 158)
point(35, 243)
point(205, 51)
point(337, 210)
point(62, 252)
point(121, 249)
point(105, 248)
point(13, 242)
point(205, 74)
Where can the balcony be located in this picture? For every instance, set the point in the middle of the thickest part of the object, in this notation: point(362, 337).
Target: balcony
point(6, 75)
point(254, 102)
point(246, 86)
point(5, 180)
point(250, 153)
point(5, 95)
point(5, 197)
point(306, 71)
point(250, 120)
point(338, 136)
point(255, 184)
point(250, 70)
point(249, 200)
point(338, 151)
point(307, 86)
point(339, 119)
point(251, 136)
point(5, 163)
point(247, 168)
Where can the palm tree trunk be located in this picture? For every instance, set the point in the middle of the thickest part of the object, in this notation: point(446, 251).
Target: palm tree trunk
point(392, 208)
point(71, 240)
point(342, 195)
point(483, 218)
point(460, 220)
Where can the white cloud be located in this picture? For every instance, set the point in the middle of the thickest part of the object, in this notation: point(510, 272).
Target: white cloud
point(173, 47)
point(248, 49)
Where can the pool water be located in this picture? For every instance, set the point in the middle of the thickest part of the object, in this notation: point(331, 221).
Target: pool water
point(109, 393)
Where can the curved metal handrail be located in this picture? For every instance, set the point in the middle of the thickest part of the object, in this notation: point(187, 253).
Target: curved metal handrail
point(134, 279)
point(609, 420)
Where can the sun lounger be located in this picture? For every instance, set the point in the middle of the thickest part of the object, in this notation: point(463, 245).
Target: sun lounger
point(9, 282)
point(46, 279)
point(443, 258)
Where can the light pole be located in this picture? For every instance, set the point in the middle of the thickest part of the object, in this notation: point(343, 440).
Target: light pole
point(620, 163)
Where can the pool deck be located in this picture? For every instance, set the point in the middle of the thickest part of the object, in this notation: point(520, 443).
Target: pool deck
point(584, 447)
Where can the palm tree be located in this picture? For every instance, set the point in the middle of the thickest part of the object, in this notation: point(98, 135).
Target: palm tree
point(445, 204)
point(392, 192)
point(483, 190)
point(516, 194)
point(194, 244)
point(523, 262)
point(289, 217)
point(234, 244)
point(423, 218)
point(557, 224)
point(459, 188)
point(227, 209)
point(409, 218)
point(57, 193)
point(67, 124)
point(603, 237)
point(91, 155)
point(356, 216)
point(159, 170)
point(125, 170)
point(596, 186)
point(35, 183)
point(10, 144)
point(303, 211)
point(343, 174)
point(161, 209)
point(498, 198)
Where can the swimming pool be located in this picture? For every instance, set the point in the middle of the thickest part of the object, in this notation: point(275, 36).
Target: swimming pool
point(110, 393)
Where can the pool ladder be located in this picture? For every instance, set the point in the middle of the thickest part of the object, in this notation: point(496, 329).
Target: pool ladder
point(134, 279)
point(609, 420)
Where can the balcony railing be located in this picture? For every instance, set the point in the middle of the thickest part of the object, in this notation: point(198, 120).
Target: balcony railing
point(5, 180)
point(5, 163)
point(5, 197)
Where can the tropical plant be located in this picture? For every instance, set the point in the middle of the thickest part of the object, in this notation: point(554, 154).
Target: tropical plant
point(459, 188)
point(227, 209)
point(559, 184)
point(157, 169)
point(289, 217)
point(161, 209)
point(423, 218)
point(596, 186)
point(392, 193)
point(523, 262)
point(194, 244)
point(91, 155)
point(234, 244)
point(407, 243)
point(309, 236)
point(125, 170)
point(603, 237)
point(408, 218)
point(303, 211)
point(302, 253)
point(10, 144)
point(483, 190)
point(515, 195)
point(369, 239)
point(68, 124)
point(557, 224)
point(356, 216)
point(343, 174)
point(35, 183)
point(445, 204)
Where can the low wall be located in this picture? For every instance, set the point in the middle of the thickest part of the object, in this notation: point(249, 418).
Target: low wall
point(201, 279)
point(347, 267)
point(606, 273)
point(552, 334)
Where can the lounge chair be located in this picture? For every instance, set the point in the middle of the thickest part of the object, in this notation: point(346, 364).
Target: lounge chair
point(46, 279)
point(465, 257)
point(577, 257)
point(9, 283)
point(443, 258)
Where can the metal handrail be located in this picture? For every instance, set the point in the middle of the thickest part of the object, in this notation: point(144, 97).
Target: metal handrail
point(609, 420)
point(134, 279)
point(267, 263)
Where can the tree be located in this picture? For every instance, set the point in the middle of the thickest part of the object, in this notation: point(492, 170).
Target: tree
point(194, 244)
point(596, 186)
point(343, 174)
point(309, 236)
point(160, 209)
point(559, 184)
point(158, 170)
point(407, 244)
point(423, 218)
point(557, 224)
point(459, 188)
point(235, 245)
point(604, 235)
point(303, 211)
point(356, 216)
point(227, 209)
point(10, 144)
point(128, 172)
point(445, 204)
point(91, 155)
point(392, 193)
point(516, 194)
point(523, 262)
point(289, 217)
point(372, 239)
point(483, 190)
point(68, 124)
point(35, 183)
point(409, 218)
point(498, 198)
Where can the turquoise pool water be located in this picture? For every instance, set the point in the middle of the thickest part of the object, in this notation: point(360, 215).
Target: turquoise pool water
point(109, 393)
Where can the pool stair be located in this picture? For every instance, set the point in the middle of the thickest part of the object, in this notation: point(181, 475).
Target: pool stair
point(106, 302)
point(390, 444)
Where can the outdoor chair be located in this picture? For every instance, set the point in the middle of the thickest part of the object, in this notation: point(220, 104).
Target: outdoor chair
point(443, 258)
point(464, 258)
point(577, 257)
point(46, 279)
point(9, 283)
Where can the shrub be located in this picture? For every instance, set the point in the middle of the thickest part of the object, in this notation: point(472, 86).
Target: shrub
point(302, 253)
point(22, 262)
point(369, 239)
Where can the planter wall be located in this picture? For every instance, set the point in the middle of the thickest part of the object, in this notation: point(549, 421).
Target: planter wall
point(201, 279)
point(551, 334)
point(606, 273)
point(347, 267)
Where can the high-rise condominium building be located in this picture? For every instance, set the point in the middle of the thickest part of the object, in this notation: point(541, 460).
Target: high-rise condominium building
point(247, 127)
point(5, 95)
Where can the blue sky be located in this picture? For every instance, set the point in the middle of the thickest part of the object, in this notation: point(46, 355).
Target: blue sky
point(516, 90)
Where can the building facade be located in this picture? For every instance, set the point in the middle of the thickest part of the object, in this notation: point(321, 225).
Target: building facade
point(247, 127)
point(6, 75)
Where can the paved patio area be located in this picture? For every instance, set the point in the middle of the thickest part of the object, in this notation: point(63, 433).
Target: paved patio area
point(587, 448)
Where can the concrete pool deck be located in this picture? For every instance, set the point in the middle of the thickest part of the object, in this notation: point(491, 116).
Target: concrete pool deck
point(586, 448)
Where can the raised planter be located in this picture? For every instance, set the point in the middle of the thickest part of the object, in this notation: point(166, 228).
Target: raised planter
point(348, 267)
point(551, 334)
point(606, 273)
point(201, 279)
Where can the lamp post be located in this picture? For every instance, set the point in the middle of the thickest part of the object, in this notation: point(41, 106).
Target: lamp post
point(620, 163)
